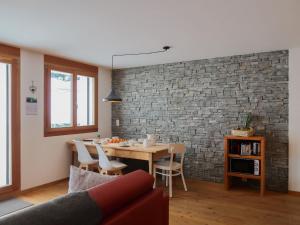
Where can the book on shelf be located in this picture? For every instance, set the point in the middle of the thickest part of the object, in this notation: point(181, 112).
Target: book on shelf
point(245, 148)
point(256, 168)
point(256, 148)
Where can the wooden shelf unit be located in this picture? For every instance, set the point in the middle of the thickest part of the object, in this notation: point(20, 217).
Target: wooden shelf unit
point(228, 155)
point(237, 156)
point(243, 175)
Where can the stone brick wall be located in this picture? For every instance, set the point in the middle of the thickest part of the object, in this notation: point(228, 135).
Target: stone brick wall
point(198, 102)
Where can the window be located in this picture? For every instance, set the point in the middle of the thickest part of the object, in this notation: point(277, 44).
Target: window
point(70, 97)
point(9, 119)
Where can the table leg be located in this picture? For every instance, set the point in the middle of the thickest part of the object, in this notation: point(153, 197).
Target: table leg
point(150, 164)
point(73, 158)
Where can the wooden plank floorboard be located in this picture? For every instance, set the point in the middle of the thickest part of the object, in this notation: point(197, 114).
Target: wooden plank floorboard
point(209, 204)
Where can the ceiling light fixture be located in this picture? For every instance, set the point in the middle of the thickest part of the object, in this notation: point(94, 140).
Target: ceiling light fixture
point(113, 97)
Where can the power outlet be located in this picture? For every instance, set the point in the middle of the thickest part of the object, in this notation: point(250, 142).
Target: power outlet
point(117, 123)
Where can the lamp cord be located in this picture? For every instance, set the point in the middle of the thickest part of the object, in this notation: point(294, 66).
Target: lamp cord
point(165, 48)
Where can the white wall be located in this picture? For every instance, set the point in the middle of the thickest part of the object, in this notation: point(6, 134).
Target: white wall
point(294, 119)
point(47, 159)
point(104, 107)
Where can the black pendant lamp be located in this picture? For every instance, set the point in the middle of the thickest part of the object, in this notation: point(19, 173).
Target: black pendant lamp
point(113, 97)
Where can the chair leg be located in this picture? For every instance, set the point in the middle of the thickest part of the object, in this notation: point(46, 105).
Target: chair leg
point(183, 181)
point(167, 178)
point(154, 175)
point(170, 184)
point(162, 176)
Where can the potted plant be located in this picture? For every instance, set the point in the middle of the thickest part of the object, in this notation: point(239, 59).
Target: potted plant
point(246, 130)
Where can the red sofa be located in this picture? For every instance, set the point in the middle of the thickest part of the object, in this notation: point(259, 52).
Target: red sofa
point(128, 200)
point(131, 200)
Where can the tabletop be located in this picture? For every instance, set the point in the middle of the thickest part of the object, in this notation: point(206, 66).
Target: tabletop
point(137, 147)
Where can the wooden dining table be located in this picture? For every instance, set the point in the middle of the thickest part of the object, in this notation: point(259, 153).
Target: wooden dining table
point(138, 151)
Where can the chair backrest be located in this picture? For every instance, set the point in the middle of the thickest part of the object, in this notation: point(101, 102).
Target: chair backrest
point(104, 162)
point(83, 154)
point(177, 149)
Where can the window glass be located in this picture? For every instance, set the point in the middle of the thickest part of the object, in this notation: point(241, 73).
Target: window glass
point(61, 99)
point(85, 100)
point(5, 126)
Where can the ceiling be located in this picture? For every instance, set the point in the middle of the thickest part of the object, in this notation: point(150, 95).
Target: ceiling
point(92, 30)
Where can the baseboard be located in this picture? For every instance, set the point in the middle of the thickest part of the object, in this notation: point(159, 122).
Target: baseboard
point(43, 186)
point(295, 193)
point(20, 192)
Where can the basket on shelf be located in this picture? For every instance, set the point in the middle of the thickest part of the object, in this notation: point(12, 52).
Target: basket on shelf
point(243, 133)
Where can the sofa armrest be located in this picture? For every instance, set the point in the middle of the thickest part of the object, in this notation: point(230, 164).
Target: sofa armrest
point(151, 209)
point(112, 196)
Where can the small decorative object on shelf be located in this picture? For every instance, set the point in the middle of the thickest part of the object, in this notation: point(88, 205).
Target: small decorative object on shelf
point(245, 159)
point(246, 131)
point(246, 149)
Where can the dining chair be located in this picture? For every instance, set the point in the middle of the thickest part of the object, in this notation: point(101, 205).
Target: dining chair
point(84, 157)
point(170, 167)
point(107, 166)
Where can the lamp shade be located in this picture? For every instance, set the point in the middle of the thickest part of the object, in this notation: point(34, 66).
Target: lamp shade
point(112, 97)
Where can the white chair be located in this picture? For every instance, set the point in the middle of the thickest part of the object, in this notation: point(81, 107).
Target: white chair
point(167, 167)
point(84, 157)
point(107, 166)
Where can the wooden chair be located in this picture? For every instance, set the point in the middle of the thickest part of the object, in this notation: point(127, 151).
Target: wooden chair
point(171, 168)
point(107, 166)
point(84, 157)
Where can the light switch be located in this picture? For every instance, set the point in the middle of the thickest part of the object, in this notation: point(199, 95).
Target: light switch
point(117, 123)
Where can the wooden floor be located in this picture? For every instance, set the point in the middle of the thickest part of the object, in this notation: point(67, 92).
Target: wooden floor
point(209, 204)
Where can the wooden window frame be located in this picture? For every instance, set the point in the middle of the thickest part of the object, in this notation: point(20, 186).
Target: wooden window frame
point(11, 55)
point(75, 68)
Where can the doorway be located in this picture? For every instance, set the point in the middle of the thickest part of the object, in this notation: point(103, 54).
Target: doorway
point(5, 126)
point(9, 120)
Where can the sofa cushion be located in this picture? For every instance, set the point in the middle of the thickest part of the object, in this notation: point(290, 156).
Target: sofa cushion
point(81, 180)
point(116, 194)
point(73, 209)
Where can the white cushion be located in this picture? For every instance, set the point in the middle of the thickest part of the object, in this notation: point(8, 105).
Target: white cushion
point(81, 180)
point(117, 165)
point(165, 165)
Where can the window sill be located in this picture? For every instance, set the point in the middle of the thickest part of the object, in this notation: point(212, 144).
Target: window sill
point(67, 131)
